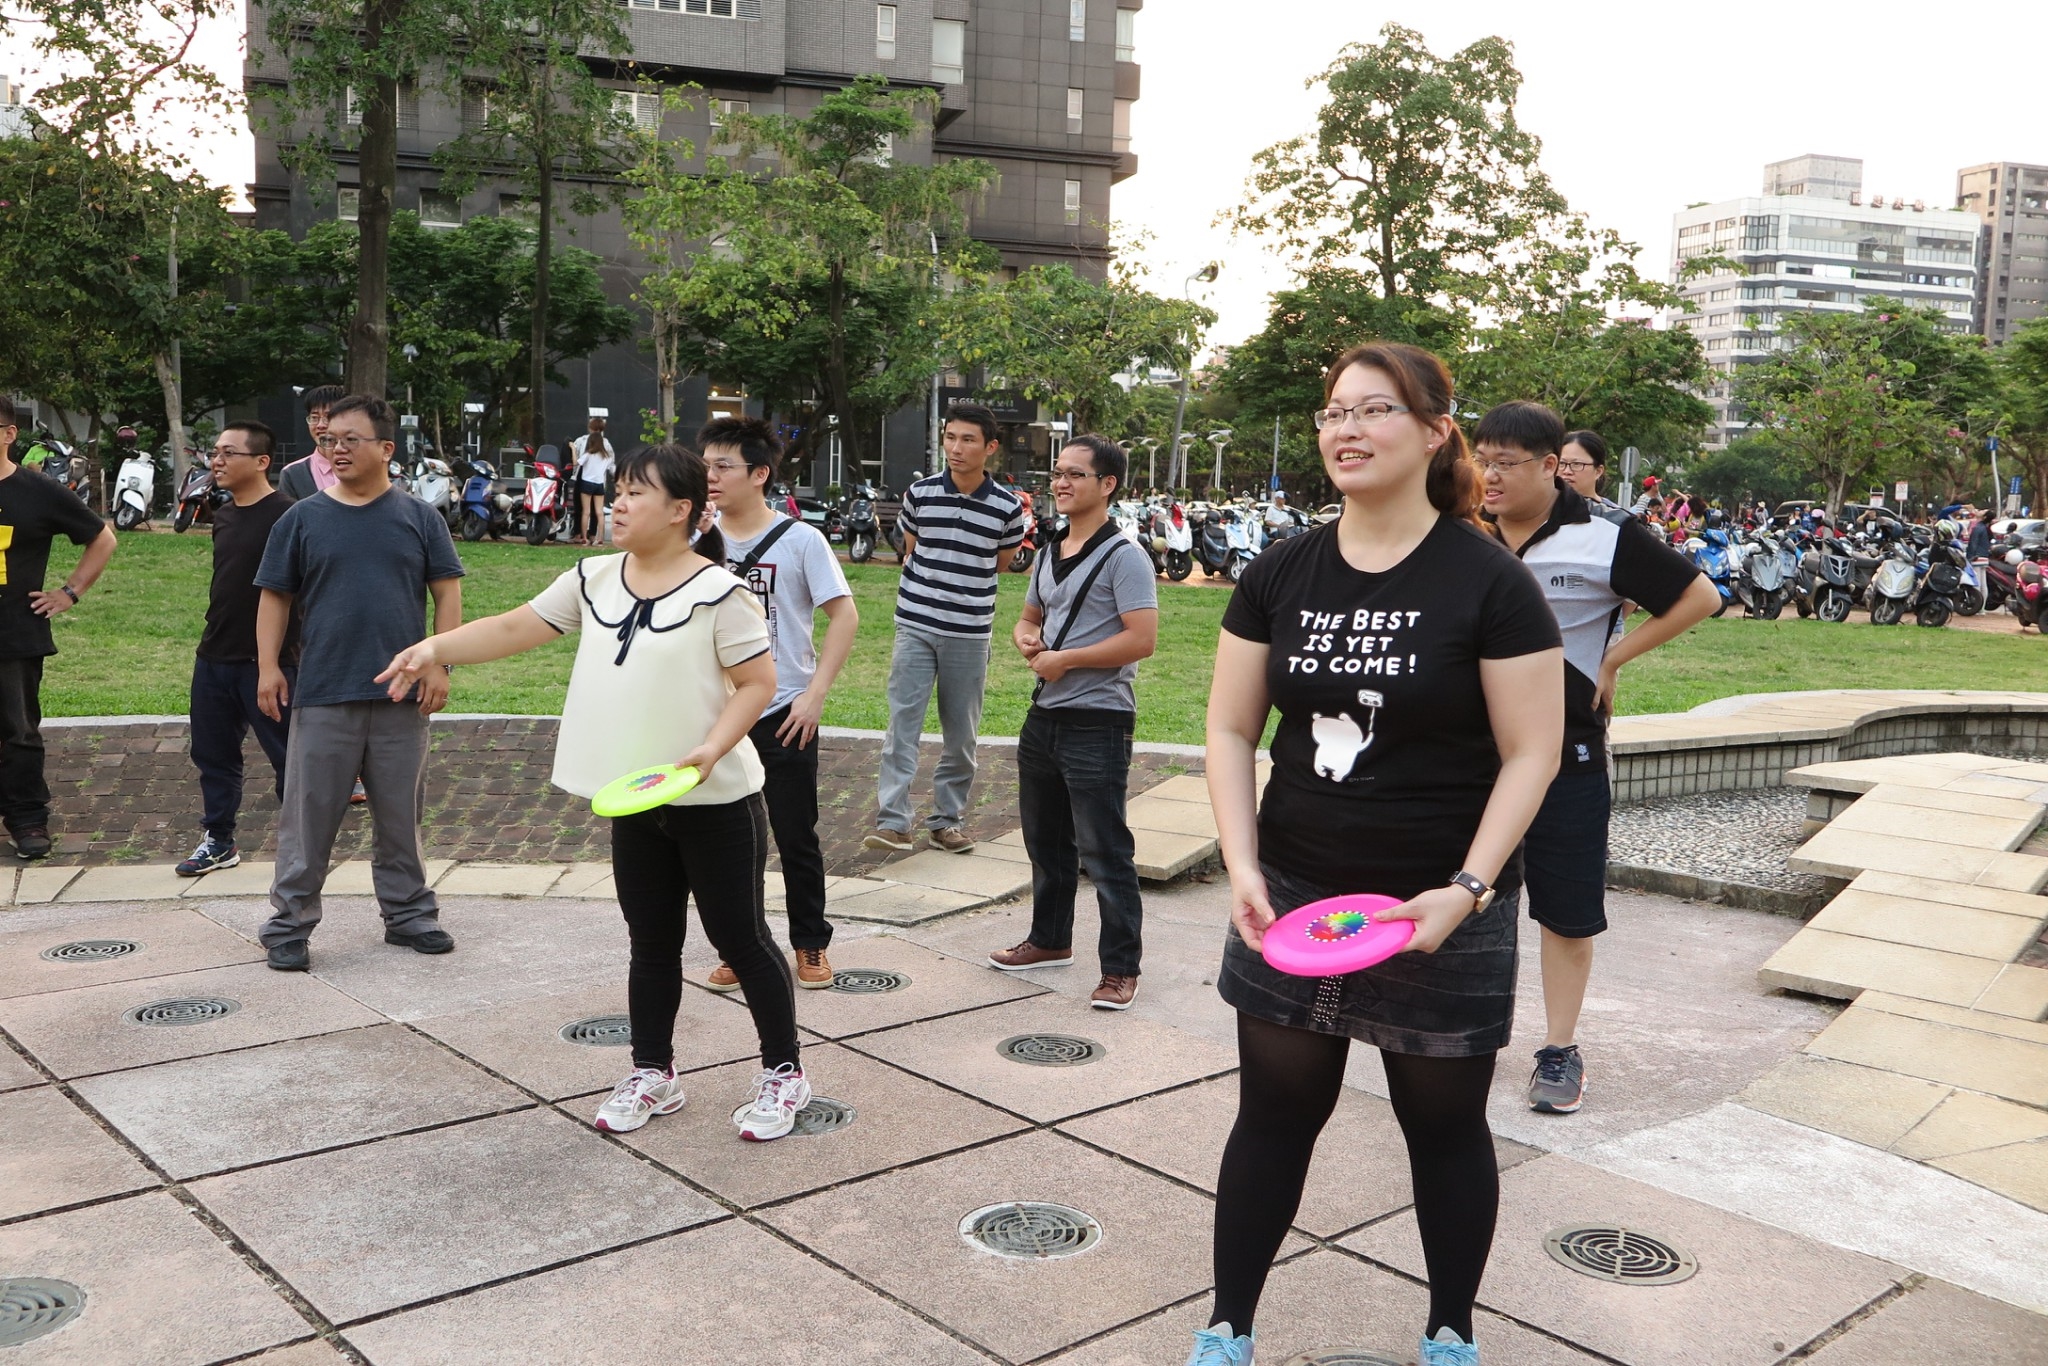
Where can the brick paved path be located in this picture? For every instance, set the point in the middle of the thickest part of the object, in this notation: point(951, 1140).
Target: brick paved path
point(129, 793)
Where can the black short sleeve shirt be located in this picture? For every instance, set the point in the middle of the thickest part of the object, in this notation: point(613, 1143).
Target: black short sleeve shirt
point(34, 509)
point(1384, 757)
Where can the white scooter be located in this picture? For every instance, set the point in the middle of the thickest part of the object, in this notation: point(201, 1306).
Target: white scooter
point(134, 490)
point(1244, 543)
point(433, 483)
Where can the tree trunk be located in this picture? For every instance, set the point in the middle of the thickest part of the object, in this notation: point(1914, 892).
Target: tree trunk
point(174, 408)
point(665, 372)
point(369, 333)
point(543, 253)
point(838, 392)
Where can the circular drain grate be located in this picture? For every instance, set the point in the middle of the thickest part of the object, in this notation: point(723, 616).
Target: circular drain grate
point(1342, 1356)
point(1051, 1050)
point(599, 1031)
point(1617, 1254)
point(1030, 1230)
point(868, 981)
point(823, 1115)
point(31, 1306)
point(183, 1010)
point(91, 950)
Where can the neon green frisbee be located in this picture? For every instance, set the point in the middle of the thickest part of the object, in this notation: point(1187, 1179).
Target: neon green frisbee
point(644, 790)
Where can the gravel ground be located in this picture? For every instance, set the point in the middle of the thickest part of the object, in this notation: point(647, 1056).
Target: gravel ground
point(1735, 836)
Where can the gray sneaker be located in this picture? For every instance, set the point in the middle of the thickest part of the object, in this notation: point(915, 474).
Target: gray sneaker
point(1558, 1085)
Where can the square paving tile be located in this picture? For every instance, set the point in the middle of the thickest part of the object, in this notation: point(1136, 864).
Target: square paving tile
point(952, 873)
point(82, 1031)
point(1966, 1122)
point(1928, 1323)
point(1360, 1170)
point(1320, 1303)
point(1870, 1106)
point(939, 985)
point(208, 1114)
point(1844, 965)
point(1139, 1056)
point(314, 1353)
point(159, 1287)
point(523, 1039)
point(902, 1232)
point(2018, 1171)
point(131, 882)
point(895, 903)
point(14, 1071)
point(426, 1214)
point(1759, 1292)
point(2012, 1068)
point(701, 1287)
point(897, 1119)
point(500, 879)
point(1928, 924)
point(52, 1155)
point(172, 940)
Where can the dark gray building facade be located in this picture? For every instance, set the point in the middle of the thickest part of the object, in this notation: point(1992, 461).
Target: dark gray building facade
point(2011, 201)
point(1040, 88)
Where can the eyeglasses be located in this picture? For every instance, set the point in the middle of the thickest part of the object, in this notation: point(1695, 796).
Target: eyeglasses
point(346, 443)
point(1486, 467)
point(1575, 466)
point(1369, 414)
point(1069, 476)
point(726, 466)
point(230, 450)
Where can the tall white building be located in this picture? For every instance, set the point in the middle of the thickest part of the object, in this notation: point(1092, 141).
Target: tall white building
point(1813, 241)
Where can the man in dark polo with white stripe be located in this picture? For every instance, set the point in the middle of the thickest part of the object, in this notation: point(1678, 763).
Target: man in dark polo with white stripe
point(960, 527)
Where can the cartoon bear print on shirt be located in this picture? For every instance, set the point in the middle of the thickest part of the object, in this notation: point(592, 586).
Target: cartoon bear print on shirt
point(1339, 740)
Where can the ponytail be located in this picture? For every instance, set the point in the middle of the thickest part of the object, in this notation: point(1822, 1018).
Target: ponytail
point(1424, 386)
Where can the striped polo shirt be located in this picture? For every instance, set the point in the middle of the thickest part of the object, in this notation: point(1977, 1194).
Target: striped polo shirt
point(949, 583)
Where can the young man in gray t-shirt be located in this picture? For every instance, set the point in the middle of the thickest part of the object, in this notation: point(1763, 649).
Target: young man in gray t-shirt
point(1090, 614)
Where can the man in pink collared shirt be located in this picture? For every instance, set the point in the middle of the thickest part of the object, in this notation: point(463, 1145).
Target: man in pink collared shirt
point(306, 477)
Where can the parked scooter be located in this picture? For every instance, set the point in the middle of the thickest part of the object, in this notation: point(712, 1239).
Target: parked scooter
point(197, 496)
point(1212, 543)
point(1131, 522)
point(433, 484)
point(1244, 543)
point(134, 488)
point(1941, 585)
point(1893, 585)
point(1180, 542)
point(486, 509)
point(541, 506)
point(1768, 573)
point(1827, 578)
point(68, 468)
point(857, 521)
point(1711, 551)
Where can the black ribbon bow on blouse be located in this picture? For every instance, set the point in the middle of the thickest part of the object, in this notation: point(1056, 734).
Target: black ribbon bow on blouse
point(638, 617)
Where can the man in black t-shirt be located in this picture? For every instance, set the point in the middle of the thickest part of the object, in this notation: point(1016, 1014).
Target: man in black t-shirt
point(33, 509)
point(224, 668)
point(1590, 565)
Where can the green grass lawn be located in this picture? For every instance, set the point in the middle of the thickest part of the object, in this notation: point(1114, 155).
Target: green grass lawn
point(129, 648)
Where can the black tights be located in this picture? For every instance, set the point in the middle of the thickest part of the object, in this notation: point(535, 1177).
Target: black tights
point(1288, 1084)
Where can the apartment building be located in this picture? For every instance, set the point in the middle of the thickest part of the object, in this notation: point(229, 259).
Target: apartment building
point(2010, 201)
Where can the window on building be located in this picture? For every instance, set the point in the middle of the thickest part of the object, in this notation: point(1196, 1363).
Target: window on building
point(949, 51)
point(439, 209)
point(1073, 196)
point(408, 106)
point(1075, 107)
point(885, 33)
point(476, 105)
point(518, 206)
point(1077, 20)
point(1120, 125)
point(640, 108)
point(1127, 35)
point(348, 203)
point(722, 145)
point(718, 9)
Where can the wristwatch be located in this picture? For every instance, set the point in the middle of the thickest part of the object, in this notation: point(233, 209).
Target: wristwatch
point(1482, 895)
point(68, 591)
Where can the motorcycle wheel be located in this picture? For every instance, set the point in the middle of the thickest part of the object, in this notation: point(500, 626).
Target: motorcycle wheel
point(1805, 607)
point(1932, 613)
point(1179, 564)
point(473, 527)
point(1971, 603)
point(539, 529)
point(1832, 607)
point(1022, 564)
point(183, 521)
point(1726, 603)
point(127, 517)
point(1234, 571)
point(1886, 611)
point(860, 548)
point(1773, 606)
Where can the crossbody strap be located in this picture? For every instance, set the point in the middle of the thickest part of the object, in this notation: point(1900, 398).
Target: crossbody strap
point(746, 566)
point(1074, 611)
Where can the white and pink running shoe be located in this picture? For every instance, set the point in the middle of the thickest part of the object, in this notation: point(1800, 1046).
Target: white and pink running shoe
point(646, 1093)
point(778, 1094)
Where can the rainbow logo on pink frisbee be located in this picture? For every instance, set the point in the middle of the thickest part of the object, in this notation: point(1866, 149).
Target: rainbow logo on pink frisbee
point(1337, 926)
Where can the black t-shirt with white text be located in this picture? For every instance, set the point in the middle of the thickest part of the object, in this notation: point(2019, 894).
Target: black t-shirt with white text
point(1384, 757)
point(34, 509)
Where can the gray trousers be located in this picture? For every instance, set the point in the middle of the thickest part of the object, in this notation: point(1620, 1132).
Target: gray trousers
point(385, 742)
point(958, 666)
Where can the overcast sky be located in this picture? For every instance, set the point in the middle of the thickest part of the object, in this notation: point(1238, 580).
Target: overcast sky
point(1642, 108)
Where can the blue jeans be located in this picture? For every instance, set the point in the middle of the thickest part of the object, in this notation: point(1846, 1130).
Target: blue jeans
point(1071, 786)
point(957, 666)
point(223, 711)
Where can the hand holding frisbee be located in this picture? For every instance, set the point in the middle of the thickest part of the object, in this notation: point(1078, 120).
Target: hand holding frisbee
point(1336, 935)
point(644, 789)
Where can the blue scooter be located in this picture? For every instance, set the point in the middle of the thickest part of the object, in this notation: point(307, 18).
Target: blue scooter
point(1714, 553)
point(486, 510)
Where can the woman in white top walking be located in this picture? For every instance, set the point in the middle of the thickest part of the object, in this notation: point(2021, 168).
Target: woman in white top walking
point(673, 666)
point(594, 460)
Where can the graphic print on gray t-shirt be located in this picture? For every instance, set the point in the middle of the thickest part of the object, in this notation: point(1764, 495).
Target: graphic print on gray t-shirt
point(798, 575)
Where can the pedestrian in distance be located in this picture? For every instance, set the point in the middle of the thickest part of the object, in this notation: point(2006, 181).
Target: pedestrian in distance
point(673, 666)
point(224, 667)
point(312, 472)
point(1419, 682)
point(595, 461)
point(1091, 612)
point(961, 527)
point(359, 560)
point(34, 510)
point(1591, 564)
point(791, 571)
point(1583, 465)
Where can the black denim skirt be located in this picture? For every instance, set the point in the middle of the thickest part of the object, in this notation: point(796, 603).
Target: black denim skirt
point(1458, 1002)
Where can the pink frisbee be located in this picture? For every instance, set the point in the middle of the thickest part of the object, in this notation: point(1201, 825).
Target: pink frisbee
point(1336, 935)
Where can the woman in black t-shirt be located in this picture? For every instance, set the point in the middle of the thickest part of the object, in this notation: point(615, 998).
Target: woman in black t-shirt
point(1417, 672)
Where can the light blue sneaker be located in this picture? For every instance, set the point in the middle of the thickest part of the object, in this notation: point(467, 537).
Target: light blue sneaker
point(1215, 1346)
point(1448, 1349)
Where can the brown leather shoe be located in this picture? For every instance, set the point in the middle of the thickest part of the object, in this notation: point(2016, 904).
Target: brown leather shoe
point(1114, 992)
point(723, 978)
point(952, 839)
point(813, 969)
point(882, 837)
point(1028, 955)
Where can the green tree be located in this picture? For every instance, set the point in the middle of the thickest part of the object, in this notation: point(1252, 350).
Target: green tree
point(124, 81)
point(2023, 373)
point(1748, 469)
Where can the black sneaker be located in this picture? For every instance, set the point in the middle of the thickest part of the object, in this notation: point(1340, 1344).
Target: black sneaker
point(211, 856)
point(32, 841)
point(426, 941)
point(290, 956)
point(1558, 1085)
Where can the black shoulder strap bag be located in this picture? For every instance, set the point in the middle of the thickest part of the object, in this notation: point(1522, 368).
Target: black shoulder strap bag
point(1074, 612)
point(746, 566)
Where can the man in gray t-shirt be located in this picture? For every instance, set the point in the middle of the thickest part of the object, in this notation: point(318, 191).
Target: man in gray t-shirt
point(1090, 614)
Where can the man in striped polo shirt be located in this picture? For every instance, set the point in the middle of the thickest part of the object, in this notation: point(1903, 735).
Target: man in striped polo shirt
point(960, 528)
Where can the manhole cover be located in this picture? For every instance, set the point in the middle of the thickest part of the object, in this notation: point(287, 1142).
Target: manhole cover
point(823, 1115)
point(1031, 1230)
point(868, 981)
point(599, 1031)
point(1342, 1356)
point(91, 950)
point(183, 1010)
point(1051, 1050)
point(31, 1306)
point(1619, 1254)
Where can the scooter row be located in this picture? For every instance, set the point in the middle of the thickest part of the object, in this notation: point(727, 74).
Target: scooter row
point(1222, 538)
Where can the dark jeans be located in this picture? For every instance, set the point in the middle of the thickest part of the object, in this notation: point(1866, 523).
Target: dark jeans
point(1071, 781)
point(223, 711)
point(790, 787)
point(24, 795)
point(718, 853)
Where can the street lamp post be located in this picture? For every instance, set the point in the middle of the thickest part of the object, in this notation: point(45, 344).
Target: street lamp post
point(1206, 275)
point(1219, 439)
